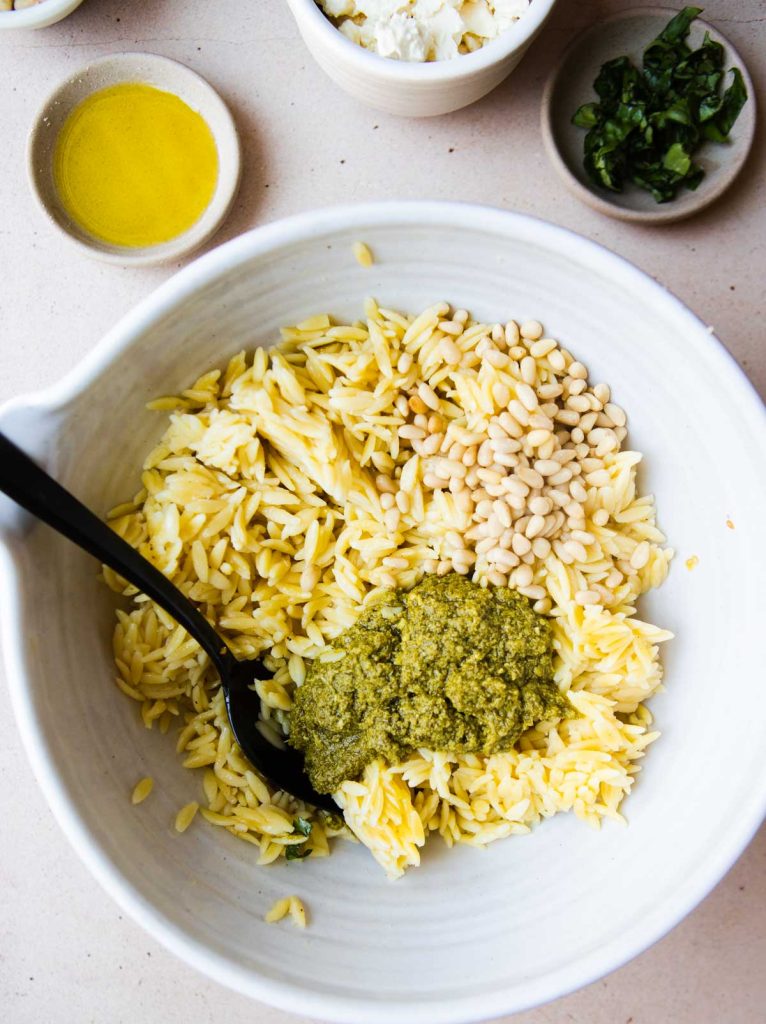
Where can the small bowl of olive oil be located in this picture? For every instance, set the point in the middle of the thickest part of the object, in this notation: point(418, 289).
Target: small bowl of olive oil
point(136, 158)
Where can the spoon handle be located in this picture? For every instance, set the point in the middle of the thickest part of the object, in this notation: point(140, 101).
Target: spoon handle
point(31, 487)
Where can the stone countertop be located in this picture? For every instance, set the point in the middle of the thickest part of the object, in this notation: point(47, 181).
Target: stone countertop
point(67, 955)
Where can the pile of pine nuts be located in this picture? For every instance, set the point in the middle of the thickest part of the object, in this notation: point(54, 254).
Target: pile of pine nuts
point(523, 481)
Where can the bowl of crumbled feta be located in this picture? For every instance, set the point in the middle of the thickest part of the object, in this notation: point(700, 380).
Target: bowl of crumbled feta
point(34, 13)
point(419, 58)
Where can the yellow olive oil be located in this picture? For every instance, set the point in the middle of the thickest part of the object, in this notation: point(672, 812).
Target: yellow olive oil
point(135, 166)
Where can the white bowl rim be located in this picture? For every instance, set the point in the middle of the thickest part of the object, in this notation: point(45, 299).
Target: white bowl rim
point(31, 17)
point(509, 41)
point(483, 1005)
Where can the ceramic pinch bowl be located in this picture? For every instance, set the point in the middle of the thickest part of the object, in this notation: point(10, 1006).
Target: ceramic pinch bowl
point(40, 15)
point(169, 76)
point(411, 88)
point(571, 84)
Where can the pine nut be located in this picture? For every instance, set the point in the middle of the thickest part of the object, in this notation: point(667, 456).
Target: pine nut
point(497, 359)
point(523, 576)
point(576, 550)
point(531, 330)
point(385, 483)
point(511, 333)
point(541, 348)
point(598, 478)
point(541, 547)
point(432, 444)
point(502, 512)
point(433, 481)
point(501, 393)
point(535, 525)
point(640, 556)
point(521, 544)
point(578, 403)
point(528, 367)
point(530, 476)
point(428, 396)
point(615, 414)
point(526, 396)
point(556, 360)
point(463, 500)
point(449, 350)
point(391, 519)
point(540, 437)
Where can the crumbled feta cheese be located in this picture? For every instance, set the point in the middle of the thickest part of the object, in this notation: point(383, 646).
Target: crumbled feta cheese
point(420, 30)
point(402, 38)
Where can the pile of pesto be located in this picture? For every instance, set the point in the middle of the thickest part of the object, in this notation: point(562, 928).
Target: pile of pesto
point(448, 665)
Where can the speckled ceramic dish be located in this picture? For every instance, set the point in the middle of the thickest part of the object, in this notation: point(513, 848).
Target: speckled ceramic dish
point(162, 73)
point(571, 84)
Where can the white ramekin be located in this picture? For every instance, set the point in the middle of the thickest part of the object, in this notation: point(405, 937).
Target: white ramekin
point(40, 16)
point(164, 74)
point(414, 89)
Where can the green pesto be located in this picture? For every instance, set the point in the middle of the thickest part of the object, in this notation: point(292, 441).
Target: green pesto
point(447, 665)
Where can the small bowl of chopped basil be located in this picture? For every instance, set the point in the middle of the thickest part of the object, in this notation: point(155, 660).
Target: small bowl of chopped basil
point(650, 115)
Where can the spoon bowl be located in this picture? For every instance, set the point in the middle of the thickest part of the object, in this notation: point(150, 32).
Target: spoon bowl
point(31, 487)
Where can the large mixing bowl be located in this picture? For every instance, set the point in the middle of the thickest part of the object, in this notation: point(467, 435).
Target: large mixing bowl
point(471, 934)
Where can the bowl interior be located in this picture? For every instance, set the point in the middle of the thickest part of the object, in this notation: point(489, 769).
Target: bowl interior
point(164, 74)
point(572, 85)
point(472, 933)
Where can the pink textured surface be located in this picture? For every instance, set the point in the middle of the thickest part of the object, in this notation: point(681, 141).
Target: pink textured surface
point(66, 953)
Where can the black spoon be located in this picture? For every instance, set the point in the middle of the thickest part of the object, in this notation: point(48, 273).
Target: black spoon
point(29, 486)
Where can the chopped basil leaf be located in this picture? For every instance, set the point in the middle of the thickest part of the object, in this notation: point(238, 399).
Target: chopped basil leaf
point(648, 123)
point(302, 826)
point(296, 852)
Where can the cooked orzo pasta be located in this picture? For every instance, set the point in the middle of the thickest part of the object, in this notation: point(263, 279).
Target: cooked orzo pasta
point(302, 482)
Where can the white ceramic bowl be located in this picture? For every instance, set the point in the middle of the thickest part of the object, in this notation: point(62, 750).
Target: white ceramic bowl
point(571, 84)
point(471, 934)
point(415, 89)
point(164, 74)
point(40, 16)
